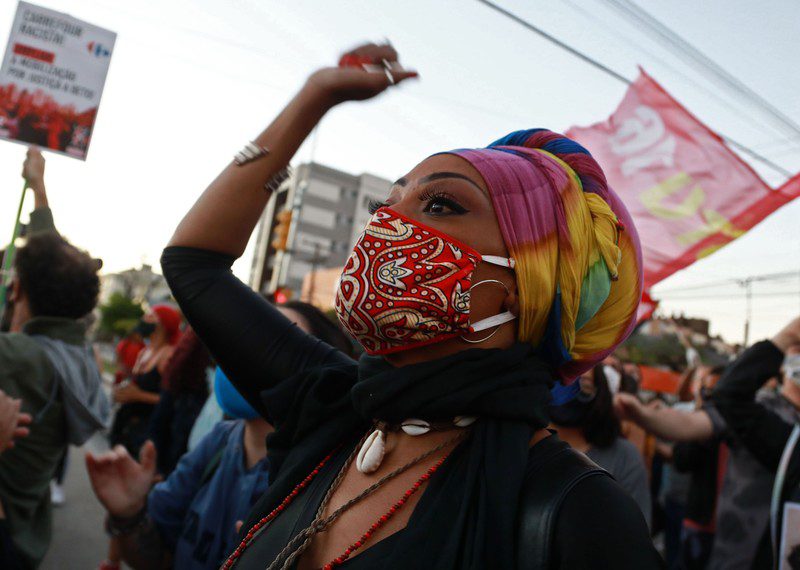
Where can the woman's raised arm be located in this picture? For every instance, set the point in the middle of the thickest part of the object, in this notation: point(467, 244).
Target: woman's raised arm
point(252, 341)
point(225, 215)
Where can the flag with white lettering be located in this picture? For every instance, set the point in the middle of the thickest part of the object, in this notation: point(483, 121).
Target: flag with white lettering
point(688, 193)
point(51, 80)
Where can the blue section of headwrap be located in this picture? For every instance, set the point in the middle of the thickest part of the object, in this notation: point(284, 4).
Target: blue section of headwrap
point(552, 346)
point(517, 138)
point(557, 146)
point(562, 394)
point(230, 400)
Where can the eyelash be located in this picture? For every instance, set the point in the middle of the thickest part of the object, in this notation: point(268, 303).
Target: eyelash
point(374, 205)
point(431, 195)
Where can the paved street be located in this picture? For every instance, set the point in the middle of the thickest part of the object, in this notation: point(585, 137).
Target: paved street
point(79, 542)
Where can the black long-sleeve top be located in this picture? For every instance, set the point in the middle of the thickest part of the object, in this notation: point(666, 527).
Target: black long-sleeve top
point(757, 427)
point(598, 526)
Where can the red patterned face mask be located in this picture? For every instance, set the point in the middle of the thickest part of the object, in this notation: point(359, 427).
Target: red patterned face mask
point(407, 285)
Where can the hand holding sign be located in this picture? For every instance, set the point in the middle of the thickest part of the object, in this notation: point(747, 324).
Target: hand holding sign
point(33, 169)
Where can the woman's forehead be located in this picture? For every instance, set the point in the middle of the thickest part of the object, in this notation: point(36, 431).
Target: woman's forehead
point(443, 163)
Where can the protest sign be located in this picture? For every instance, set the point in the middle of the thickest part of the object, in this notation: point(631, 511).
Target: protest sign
point(51, 80)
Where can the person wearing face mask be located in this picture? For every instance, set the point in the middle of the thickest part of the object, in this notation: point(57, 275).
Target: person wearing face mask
point(140, 396)
point(160, 326)
point(191, 516)
point(486, 277)
point(589, 425)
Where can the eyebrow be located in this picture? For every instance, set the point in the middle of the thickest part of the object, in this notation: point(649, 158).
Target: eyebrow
point(441, 175)
point(403, 181)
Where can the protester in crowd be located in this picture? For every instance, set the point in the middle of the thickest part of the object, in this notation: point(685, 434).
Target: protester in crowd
point(160, 326)
point(193, 514)
point(620, 380)
point(674, 485)
point(344, 430)
point(705, 463)
point(588, 424)
point(138, 398)
point(742, 513)
point(183, 393)
point(761, 423)
point(127, 352)
point(49, 365)
point(191, 517)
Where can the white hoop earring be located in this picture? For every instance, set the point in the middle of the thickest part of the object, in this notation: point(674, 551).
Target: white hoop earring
point(484, 339)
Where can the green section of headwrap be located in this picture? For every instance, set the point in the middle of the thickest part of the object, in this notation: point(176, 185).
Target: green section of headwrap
point(594, 291)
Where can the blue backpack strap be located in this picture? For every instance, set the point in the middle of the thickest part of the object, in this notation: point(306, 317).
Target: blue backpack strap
point(213, 465)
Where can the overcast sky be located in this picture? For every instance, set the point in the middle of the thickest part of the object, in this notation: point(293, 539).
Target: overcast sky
point(191, 81)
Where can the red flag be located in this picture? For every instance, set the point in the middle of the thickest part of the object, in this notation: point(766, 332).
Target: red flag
point(646, 308)
point(688, 193)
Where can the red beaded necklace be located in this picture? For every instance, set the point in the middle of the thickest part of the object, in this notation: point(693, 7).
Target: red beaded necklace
point(382, 520)
point(275, 512)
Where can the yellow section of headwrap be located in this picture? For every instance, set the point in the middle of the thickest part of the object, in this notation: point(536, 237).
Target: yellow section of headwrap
point(587, 231)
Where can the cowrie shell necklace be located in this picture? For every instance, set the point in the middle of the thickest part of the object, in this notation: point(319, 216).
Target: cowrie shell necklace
point(373, 450)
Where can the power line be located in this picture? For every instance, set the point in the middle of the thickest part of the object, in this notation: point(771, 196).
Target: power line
point(740, 295)
point(559, 43)
point(733, 281)
point(619, 77)
point(712, 93)
point(693, 56)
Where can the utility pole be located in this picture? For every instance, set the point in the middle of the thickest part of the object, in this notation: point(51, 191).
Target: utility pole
point(312, 281)
point(748, 291)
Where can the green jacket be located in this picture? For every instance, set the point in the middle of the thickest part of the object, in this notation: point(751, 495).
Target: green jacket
point(41, 220)
point(26, 372)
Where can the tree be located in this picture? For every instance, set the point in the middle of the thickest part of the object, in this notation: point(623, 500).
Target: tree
point(119, 315)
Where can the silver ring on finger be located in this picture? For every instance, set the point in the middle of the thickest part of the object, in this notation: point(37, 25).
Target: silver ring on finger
point(387, 69)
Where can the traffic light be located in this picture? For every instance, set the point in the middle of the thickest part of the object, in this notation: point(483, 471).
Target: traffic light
point(281, 232)
point(282, 295)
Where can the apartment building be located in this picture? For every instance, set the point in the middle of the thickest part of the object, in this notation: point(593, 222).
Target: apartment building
point(329, 210)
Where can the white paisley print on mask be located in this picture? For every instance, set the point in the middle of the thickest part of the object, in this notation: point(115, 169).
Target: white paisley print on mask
point(405, 285)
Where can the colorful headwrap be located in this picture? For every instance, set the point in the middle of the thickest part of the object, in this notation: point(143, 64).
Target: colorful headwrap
point(579, 276)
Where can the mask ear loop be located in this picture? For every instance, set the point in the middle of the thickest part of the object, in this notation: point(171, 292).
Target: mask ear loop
point(497, 328)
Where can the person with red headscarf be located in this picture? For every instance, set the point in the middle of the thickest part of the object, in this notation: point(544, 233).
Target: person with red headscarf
point(161, 327)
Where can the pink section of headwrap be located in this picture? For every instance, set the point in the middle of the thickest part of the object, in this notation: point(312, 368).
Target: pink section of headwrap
point(536, 202)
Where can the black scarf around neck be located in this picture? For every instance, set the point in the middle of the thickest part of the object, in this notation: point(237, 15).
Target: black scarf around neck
point(472, 504)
